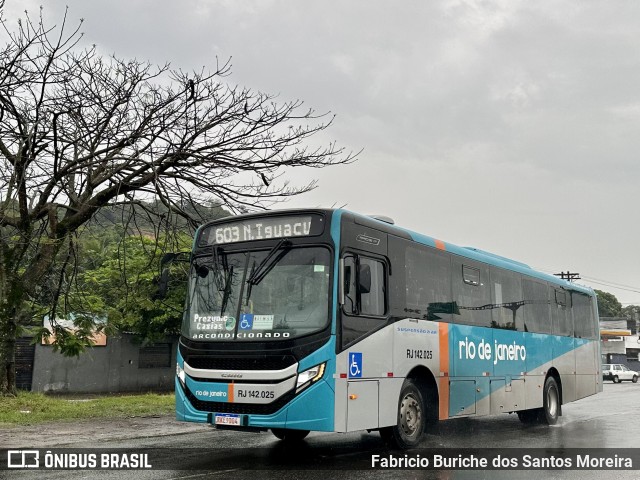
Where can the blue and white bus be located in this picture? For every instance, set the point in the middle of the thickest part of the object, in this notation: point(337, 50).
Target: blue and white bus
point(326, 320)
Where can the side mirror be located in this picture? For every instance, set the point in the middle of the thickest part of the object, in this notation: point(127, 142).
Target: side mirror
point(163, 285)
point(364, 278)
point(202, 271)
point(168, 258)
point(162, 281)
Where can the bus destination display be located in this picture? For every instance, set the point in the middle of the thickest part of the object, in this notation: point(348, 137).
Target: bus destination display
point(258, 229)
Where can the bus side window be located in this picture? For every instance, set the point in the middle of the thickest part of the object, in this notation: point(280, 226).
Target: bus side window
point(371, 287)
point(364, 286)
point(471, 292)
point(561, 312)
point(583, 318)
point(365, 305)
point(427, 283)
point(507, 305)
point(537, 315)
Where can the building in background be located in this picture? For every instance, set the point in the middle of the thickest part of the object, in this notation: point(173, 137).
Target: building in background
point(119, 364)
point(620, 341)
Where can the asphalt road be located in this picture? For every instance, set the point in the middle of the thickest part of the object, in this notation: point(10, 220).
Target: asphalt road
point(607, 420)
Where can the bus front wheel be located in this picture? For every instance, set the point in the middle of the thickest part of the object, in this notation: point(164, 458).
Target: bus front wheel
point(408, 431)
point(288, 435)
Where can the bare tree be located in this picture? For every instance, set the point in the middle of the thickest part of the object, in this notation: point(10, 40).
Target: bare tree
point(80, 132)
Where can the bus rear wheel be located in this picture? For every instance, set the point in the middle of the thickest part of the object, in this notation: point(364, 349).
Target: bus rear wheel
point(550, 411)
point(288, 435)
point(550, 402)
point(408, 431)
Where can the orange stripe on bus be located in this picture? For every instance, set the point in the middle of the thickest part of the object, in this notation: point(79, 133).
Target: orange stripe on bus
point(230, 393)
point(440, 245)
point(443, 337)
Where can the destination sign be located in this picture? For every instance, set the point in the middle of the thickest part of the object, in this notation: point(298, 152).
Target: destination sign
point(261, 229)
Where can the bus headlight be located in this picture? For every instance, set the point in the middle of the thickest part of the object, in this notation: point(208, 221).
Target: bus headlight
point(309, 376)
point(181, 375)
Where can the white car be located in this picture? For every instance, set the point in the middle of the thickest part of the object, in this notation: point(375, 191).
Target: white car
point(618, 372)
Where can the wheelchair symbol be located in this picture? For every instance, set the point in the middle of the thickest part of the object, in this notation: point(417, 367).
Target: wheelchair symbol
point(355, 365)
point(246, 323)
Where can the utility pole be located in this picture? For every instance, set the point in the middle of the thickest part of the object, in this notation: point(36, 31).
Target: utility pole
point(569, 276)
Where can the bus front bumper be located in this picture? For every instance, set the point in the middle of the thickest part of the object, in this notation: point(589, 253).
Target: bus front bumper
point(312, 409)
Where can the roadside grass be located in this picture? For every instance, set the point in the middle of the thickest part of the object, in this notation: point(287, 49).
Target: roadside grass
point(33, 408)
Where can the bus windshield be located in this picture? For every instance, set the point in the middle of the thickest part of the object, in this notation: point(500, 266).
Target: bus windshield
point(258, 295)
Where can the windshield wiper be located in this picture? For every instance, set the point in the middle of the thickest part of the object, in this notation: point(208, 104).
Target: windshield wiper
point(227, 291)
point(265, 266)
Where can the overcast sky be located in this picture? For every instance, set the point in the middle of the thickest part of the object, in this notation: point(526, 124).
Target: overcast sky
point(509, 126)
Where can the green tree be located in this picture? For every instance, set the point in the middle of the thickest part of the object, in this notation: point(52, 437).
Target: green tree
point(608, 304)
point(80, 132)
point(631, 311)
point(115, 282)
point(122, 288)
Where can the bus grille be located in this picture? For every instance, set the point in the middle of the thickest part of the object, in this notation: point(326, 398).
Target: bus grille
point(242, 408)
point(241, 363)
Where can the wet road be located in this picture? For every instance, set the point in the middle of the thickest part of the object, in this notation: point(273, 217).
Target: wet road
point(607, 420)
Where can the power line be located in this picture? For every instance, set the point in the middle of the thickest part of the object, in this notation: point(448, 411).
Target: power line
point(635, 290)
point(606, 283)
point(612, 284)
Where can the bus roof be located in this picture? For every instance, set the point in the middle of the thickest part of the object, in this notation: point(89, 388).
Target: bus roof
point(476, 254)
point(468, 252)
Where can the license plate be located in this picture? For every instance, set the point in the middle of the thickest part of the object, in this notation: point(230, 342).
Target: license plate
point(228, 419)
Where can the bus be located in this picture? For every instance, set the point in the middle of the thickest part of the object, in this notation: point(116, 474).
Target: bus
point(328, 320)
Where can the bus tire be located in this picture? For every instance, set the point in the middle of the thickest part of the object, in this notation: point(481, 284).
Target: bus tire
point(550, 402)
point(408, 432)
point(616, 379)
point(288, 435)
